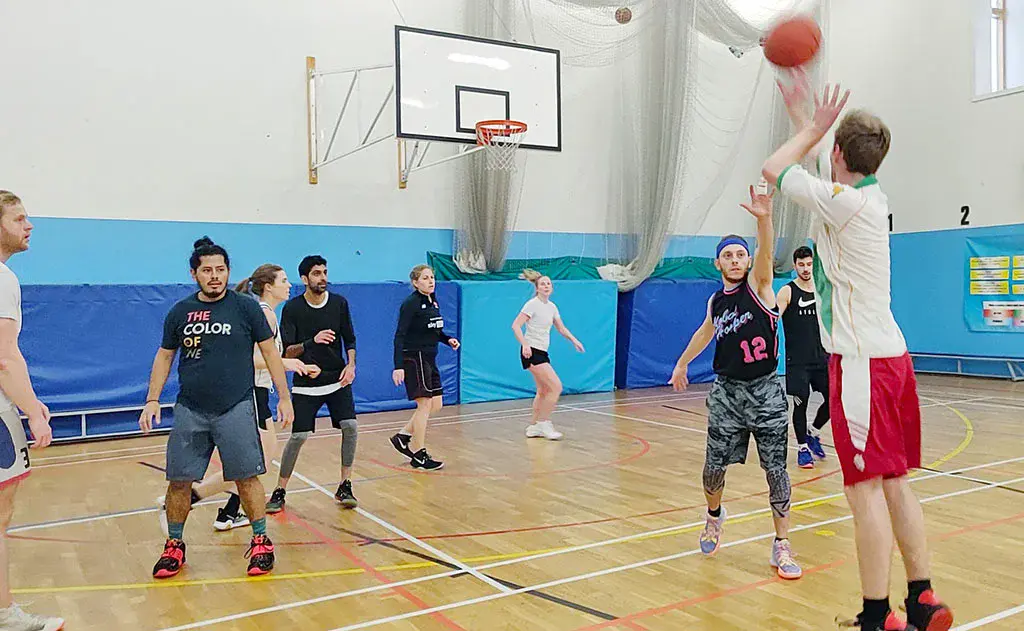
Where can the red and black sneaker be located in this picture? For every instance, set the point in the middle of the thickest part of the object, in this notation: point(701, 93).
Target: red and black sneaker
point(171, 561)
point(260, 555)
point(929, 613)
point(893, 622)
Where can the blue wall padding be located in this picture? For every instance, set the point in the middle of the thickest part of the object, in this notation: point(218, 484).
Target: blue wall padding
point(92, 347)
point(665, 313)
point(491, 369)
point(623, 332)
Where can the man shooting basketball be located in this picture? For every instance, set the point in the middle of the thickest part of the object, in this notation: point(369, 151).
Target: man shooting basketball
point(874, 407)
point(747, 397)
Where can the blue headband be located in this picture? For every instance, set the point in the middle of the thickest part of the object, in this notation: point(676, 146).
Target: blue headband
point(731, 241)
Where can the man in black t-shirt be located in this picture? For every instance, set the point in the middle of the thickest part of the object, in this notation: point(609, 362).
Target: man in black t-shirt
point(215, 330)
point(313, 327)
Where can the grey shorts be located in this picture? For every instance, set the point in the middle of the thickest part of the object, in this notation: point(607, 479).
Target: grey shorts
point(234, 433)
point(738, 409)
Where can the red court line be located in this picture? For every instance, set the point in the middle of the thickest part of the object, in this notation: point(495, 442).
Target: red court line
point(401, 591)
point(590, 522)
point(682, 604)
point(645, 447)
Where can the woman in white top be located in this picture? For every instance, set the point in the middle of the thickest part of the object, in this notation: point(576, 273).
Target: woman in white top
point(538, 314)
point(269, 284)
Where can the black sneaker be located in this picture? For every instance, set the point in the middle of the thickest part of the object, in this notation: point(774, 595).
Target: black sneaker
point(227, 521)
point(422, 460)
point(260, 555)
point(929, 613)
point(401, 444)
point(344, 495)
point(276, 503)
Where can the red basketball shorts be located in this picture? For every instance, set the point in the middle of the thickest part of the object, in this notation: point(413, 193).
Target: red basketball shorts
point(876, 417)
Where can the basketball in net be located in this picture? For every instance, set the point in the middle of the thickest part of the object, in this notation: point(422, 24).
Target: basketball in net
point(500, 140)
point(793, 42)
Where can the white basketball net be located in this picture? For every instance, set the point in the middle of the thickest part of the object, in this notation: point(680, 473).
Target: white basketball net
point(500, 141)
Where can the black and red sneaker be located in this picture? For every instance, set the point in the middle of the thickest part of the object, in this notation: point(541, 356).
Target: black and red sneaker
point(893, 622)
point(929, 613)
point(260, 555)
point(171, 561)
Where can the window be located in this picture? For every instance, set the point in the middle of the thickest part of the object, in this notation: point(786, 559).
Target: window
point(997, 46)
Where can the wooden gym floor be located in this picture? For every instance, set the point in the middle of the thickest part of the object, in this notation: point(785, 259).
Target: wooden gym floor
point(596, 531)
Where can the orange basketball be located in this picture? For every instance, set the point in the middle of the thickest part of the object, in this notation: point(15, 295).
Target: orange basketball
point(793, 42)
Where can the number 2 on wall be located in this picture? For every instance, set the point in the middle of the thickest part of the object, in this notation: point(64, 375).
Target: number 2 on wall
point(760, 350)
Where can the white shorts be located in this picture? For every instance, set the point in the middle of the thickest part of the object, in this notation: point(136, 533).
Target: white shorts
point(14, 462)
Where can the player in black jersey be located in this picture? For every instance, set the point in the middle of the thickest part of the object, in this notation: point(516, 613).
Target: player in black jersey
point(747, 396)
point(806, 359)
point(420, 329)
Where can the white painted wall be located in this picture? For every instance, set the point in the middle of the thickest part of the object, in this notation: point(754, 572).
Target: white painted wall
point(912, 64)
point(195, 110)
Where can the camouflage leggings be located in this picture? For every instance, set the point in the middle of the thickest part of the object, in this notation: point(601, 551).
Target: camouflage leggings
point(738, 409)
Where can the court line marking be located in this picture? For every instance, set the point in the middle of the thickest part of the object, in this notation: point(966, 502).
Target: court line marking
point(1000, 615)
point(968, 435)
point(630, 566)
point(739, 589)
point(560, 551)
point(413, 540)
point(380, 577)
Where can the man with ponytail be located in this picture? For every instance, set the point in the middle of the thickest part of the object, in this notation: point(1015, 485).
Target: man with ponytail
point(269, 285)
point(215, 330)
point(538, 315)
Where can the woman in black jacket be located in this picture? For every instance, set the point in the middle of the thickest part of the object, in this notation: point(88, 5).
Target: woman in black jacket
point(420, 329)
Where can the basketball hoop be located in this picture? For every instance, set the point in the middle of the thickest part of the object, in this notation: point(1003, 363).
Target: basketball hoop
point(500, 139)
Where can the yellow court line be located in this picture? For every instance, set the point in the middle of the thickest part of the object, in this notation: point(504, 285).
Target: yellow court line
point(968, 437)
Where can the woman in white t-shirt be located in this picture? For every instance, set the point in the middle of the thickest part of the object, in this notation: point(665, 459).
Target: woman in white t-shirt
point(538, 314)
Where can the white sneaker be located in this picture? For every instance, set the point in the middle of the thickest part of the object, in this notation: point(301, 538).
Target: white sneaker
point(543, 429)
point(14, 619)
point(162, 515)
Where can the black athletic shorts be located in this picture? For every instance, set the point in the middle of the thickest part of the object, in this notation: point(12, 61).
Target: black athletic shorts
point(801, 378)
point(263, 413)
point(339, 403)
point(422, 378)
point(536, 358)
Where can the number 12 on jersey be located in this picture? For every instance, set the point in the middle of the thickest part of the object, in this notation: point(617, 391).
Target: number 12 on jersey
point(760, 348)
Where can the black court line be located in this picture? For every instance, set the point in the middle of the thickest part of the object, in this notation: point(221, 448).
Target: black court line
point(697, 414)
point(426, 557)
point(152, 466)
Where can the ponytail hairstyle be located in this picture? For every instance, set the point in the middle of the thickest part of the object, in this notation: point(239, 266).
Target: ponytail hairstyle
point(414, 275)
point(262, 276)
point(533, 276)
point(206, 247)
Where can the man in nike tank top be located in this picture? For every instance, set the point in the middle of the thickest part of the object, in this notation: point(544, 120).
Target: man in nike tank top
point(806, 359)
point(747, 396)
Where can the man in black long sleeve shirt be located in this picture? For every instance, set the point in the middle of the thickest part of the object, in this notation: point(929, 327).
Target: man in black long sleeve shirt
point(317, 327)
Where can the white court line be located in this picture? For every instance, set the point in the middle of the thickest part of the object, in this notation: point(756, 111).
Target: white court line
point(1001, 615)
point(413, 540)
point(623, 568)
point(937, 403)
point(542, 555)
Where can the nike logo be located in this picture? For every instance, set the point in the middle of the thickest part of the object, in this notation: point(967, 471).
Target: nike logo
point(800, 302)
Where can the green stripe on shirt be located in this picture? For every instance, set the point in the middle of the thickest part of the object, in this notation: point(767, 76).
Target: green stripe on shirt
point(824, 288)
point(778, 182)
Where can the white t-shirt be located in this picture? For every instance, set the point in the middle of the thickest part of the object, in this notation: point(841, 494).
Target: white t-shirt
point(851, 262)
point(10, 308)
point(538, 327)
point(263, 378)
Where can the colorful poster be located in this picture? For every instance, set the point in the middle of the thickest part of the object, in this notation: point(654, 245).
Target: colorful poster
point(994, 285)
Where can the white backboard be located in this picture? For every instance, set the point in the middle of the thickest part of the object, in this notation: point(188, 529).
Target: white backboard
point(445, 83)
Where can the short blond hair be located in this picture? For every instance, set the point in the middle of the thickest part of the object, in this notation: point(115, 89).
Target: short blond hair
point(7, 200)
point(864, 140)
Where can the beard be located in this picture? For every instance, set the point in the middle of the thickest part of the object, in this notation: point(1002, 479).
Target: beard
point(213, 293)
point(12, 243)
point(318, 288)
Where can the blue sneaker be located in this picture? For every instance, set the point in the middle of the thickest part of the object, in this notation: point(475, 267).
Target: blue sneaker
point(712, 535)
point(814, 442)
point(804, 458)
